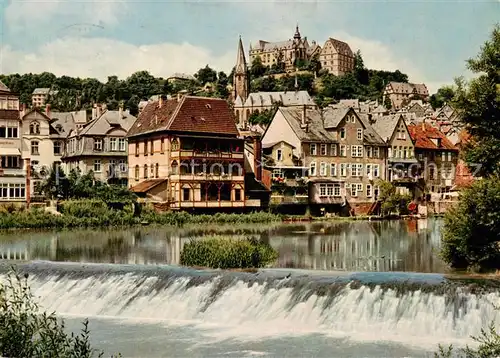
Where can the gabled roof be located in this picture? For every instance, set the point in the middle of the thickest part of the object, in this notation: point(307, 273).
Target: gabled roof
point(386, 125)
point(41, 91)
point(107, 121)
point(189, 114)
point(407, 88)
point(423, 135)
point(341, 46)
point(288, 98)
point(4, 88)
point(147, 185)
point(37, 111)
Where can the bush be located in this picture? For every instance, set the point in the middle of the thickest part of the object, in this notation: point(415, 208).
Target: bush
point(227, 253)
point(472, 228)
point(26, 331)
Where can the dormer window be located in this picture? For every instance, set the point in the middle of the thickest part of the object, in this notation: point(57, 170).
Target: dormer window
point(34, 128)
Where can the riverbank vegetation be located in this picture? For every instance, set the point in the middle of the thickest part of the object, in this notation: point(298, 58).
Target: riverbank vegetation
point(221, 252)
point(472, 228)
point(29, 332)
point(87, 213)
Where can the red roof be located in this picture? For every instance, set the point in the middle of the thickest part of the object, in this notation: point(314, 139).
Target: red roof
point(147, 185)
point(9, 114)
point(423, 135)
point(190, 114)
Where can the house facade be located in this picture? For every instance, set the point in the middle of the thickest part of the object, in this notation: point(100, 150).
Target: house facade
point(437, 156)
point(14, 187)
point(336, 57)
point(400, 93)
point(186, 153)
point(101, 146)
point(335, 150)
point(402, 165)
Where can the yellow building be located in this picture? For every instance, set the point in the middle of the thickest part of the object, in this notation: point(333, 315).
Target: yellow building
point(336, 57)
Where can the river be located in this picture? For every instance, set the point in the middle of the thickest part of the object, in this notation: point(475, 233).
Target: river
point(339, 289)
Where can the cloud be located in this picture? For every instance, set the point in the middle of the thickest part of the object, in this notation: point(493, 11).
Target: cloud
point(102, 57)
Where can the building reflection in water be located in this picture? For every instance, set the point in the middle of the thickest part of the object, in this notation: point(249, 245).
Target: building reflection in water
point(351, 246)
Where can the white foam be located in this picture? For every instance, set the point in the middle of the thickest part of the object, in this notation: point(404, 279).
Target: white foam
point(256, 312)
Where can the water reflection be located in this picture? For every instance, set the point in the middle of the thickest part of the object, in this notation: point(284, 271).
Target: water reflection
point(351, 246)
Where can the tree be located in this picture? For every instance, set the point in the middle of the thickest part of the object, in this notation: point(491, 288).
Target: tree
point(221, 85)
point(392, 201)
point(443, 95)
point(314, 64)
point(27, 331)
point(257, 69)
point(206, 75)
point(478, 105)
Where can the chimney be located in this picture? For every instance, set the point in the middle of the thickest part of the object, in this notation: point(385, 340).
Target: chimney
point(94, 112)
point(160, 102)
point(27, 162)
point(257, 157)
point(23, 110)
point(120, 110)
point(423, 124)
point(47, 110)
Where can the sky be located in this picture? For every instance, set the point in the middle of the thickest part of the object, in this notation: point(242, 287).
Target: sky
point(428, 40)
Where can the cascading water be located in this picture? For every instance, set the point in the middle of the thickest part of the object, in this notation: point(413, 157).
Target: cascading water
point(265, 304)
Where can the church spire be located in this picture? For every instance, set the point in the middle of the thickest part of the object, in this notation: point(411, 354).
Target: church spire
point(297, 32)
point(241, 63)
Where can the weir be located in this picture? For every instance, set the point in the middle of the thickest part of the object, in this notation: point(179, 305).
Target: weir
point(391, 306)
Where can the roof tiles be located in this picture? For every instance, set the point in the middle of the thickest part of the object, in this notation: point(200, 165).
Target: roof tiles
point(423, 135)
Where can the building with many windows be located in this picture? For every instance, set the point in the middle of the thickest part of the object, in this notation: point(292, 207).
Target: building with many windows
point(13, 168)
point(185, 153)
point(101, 146)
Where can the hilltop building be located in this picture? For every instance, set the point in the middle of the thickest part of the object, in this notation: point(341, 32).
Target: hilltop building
point(401, 93)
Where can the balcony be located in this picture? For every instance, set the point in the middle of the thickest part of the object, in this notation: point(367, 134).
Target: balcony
point(206, 177)
point(188, 154)
point(11, 172)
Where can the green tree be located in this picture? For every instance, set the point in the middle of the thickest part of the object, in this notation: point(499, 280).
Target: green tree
point(257, 69)
point(221, 85)
point(314, 64)
point(472, 228)
point(478, 105)
point(443, 95)
point(206, 75)
point(29, 332)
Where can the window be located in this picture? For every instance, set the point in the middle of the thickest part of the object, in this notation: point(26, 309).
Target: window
point(57, 148)
point(136, 149)
point(343, 170)
point(34, 128)
point(322, 169)
point(237, 194)
point(449, 156)
point(152, 171)
point(122, 164)
point(312, 169)
point(323, 149)
point(279, 155)
point(368, 190)
point(368, 170)
point(277, 173)
point(145, 147)
point(322, 190)
point(342, 133)
point(113, 144)
point(336, 189)
point(420, 156)
point(354, 190)
point(360, 134)
point(333, 170)
point(405, 152)
point(34, 147)
point(329, 190)
point(376, 191)
point(376, 169)
point(97, 166)
point(443, 156)
point(357, 170)
point(313, 149)
point(357, 151)
point(376, 152)
point(112, 167)
point(122, 144)
point(175, 144)
point(343, 150)
point(145, 171)
point(333, 150)
point(136, 172)
point(162, 146)
point(151, 148)
point(369, 151)
point(98, 144)
point(12, 191)
point(431, 172)
point(157, 170)
point(185, 194)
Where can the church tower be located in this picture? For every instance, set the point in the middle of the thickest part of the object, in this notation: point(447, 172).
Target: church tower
point(240, 80)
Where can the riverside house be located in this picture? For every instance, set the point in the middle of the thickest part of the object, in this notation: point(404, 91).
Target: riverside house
point(186, 153)
point(13, 182)
point(334, 150)
point(402, 168)
point(437, 156)
point(101, 146)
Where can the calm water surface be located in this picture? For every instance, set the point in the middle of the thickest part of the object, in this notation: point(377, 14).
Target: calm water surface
point(351, 246)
